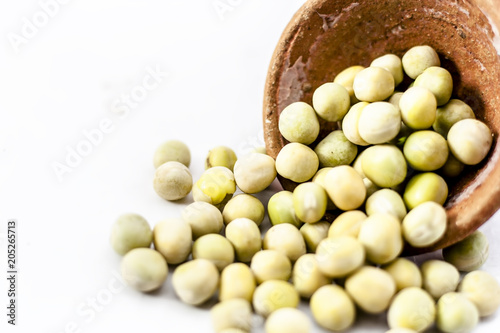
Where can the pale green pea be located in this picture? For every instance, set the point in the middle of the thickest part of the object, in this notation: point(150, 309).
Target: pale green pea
point(335, 149)
point(203, 218)
point(412, 308)
point(232, 314)
point(418, 108)
point(386, 201)
point(215, 248)
point(419, 58)
point(130, 231)
point(244, 234)
point(423, 187)
point(221, 156)
point(331, 101)
point(450, 113)
point(195, 281)
point(469, 254)
point(280, 209)
point(272, 295)
point(306, 276)
point(172, 150)
point(439, 81)
point(314, 233)
point(309, 202)
point(470, 141)
point(172, 237)
point(439, 277)
point(346, 79)
point(297, 162)
point(144, 269)
point(392, 63)
point(287, 239)
point(254, 172)
point(455, 313)
point(482, 289)
point(288, 320)
point(237, 281)
point(425, 224)
point(339, 256)
point(215, 186)
point(347, 224)
point(332, 308)
point(172, 181)
point(350, 124)
point(384, 165)
point(345, 187)
point(379, 122)
point(298, 123)
point(426, 150)
point(270, 265)
point(380, 235)
point(405, 273)
point(373, 84)
point(243, 205)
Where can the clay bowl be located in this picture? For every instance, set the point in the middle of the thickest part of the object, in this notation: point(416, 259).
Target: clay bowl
point(326, 36)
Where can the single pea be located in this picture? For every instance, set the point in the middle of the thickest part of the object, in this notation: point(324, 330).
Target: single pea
point(172, 150)
point(469, 254)
point(319, 178)
point(254, 172)
point(172, 181)
point(384, 165)
point(452, 167)
point(221, 156)
point(419, 58)
point(346, 79)
point(306, 276)
point(130, 231)
point(215, 186)
point(332, 308)
point(379, 122)
point(395, 98)
point(297, 162)
point(144, 269)
point(371, 289)
point(203, 218)
point(288, 320)
point(482, 289)
point(439, 277)
point(423, 187)
point(412, 308)
point(280, 209)
point(455, 313)
point(426, 150)
point(339, 256)
point(271, 265)
point(272, 295)
point(286, 239)
point(335, 149)
point(449, 114)
point(331, 101)
point(345, 187)
point(314, 233)
point(172, 238)
point(232, 313)
point(373, 84)
point(470, 141)
point(244, 205)
point(350, 124)
point(215, 248)
point(405, 273)
point(439, 81)
point(298, 123)
point(425, 224)
point(393, 64)
point(347, 224)
point(309, 202)
point(260, 150)
point(244, 234)
point(237, 281)
point(380, 235)
point(386, 201)
point(418, 108)
point(195, 281)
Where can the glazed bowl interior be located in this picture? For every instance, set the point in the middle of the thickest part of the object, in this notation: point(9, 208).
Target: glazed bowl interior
point(324, 37)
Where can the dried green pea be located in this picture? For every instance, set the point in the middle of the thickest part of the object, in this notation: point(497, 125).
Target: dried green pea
point(439, 81)
point(172, 150)
point(254, 172)
point(339, 256)
point(451, 113)
point(427, 186)
point(469, 254)
point(287, 239)
point(203, 218)
point(306, 276)
point(380, 235)
point(412, 308)
point(347, 224)
point(244, 234)
point(419, 58)
point(297, 162)
point(335, 149)
point(314, 233)
point(346, 79)
point(439, 277)
point(172, 237)
point(280, 209)
point(215, 248)
point(221, 156)
point(405, 273)
point(298, 123)
point(243, 205)
point(482, 289)
point(215, 186)
point(309, 202)
point(373, 84)
point(172, 181)
point(288, 320)
point(195, 281)
point(237, 281)
point(232, 314)
point(144, 269)
point(455, 313)
point(272, 295)
point(331, 101)
point(271, 265)
point(332, 308)
point(130, 231)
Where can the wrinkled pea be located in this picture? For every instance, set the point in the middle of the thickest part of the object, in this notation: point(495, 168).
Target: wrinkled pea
point(232, 313)
point(297, 162)
point(271, 265)
point(455, 313)
point(254, 172)
point(332, 308)
point(195, 281)
point(215, 186)
point(371, 289)
point(380, 235)
point(272, 295)
point(391, 63)
point(425, 224)
point(309, 202)
point(339, 256)
point(130, 231)
point(470, 141)
point(350, 124)
point(215, 248)
point(286, 239)
point(172, 150)
point(203, 218)
point(298, 123)
point(482, 289)
point(379, 122)
point(405, 273)
point(280, 209)
point(384, 165)
point(439, 277)
point(221, 156)
point(386, 201)
point(288, 320)
point(426, 150)
point(419, 58)
point(439, 81)
point(306, 276)
point(451, 113)
point(144, 269)
point(172, 237)
point(373, 84)
point(237, 281)
point(314, 233)
point(469, 254)
point(347, 224)
point(418, 108)
point(243, 205)
point(346, 79)
point(423, 187)
point(345, 187)
point(335, 149)
point(172, 181)
point(412, 308)
point(331, 101)
point(244, 234)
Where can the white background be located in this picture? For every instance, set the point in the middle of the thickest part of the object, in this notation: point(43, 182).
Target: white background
point(67, 77)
